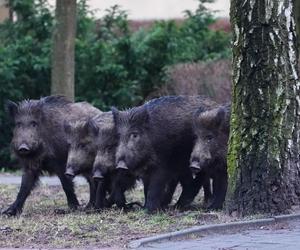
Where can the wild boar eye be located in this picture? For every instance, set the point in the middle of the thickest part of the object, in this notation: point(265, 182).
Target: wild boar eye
point(134, 135)
point(108, 149)
point(33, 124)
point(209, 138)
point(18, 124)
point(82, 145)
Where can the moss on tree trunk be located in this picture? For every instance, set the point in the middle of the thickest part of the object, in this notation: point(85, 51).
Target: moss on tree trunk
point(263, 160)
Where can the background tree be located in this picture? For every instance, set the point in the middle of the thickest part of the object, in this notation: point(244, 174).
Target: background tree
point(263, 162)
point(63, 54)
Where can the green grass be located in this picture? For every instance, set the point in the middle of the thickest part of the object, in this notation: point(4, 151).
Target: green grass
point(41, 226)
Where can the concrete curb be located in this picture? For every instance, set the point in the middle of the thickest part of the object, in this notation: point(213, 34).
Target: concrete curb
point(286, 217)
point(211, 229)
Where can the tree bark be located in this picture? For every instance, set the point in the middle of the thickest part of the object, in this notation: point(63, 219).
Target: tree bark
point(263, 158)
point(297, 19)
point(63, 52)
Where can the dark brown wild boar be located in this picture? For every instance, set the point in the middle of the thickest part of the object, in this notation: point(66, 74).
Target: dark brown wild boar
point(93, 143)
point(83, 139)
point(209, 156)
point(40, 142)
point(156, 140)
point(104, 167)
point(81, 136)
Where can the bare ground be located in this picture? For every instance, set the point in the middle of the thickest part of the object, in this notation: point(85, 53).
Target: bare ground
point(47, 223)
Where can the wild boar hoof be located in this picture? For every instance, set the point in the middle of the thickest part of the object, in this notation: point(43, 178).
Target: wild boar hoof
point(12, 211)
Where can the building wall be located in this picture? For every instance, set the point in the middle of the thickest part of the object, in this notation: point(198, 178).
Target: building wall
point(156, 9)
point(4, 11)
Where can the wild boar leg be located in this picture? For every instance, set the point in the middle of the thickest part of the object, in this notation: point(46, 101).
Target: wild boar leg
point(188, 188)
point(101, 194)
point(93, 190)
point(29, 180)
point(202, 180)
point(117, 195)
point(219, 190)
point(169, 192)
point(68, 187)
point(158, 182)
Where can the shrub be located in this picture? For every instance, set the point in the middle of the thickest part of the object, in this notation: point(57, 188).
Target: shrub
point(24, 61)
point(212, 79)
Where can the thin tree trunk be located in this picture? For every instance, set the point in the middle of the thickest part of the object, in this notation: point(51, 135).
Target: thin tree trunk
point(63, 64)
point(263, 160)
point(11, 13)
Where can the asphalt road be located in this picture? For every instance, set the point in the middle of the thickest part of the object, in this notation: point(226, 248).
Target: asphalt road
point(283, 236)
point(45, 180)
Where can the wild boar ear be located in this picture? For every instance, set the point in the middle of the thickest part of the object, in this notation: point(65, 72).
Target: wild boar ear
point(40, 113)
point(92, 127)
point(141, 116)
point(219, 118)
point(67, 127)
point(116, 114)
point(197, 117)
point(11, 108)
point(212, 118)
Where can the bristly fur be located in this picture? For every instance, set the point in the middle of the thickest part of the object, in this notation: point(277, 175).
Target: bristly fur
point(104, 121)
point(155, 143)
point(128, 115)
point(124, 116)
point(165, 99)
point(41, 128)
point(30, 105)
point(55, 100)
point(204, 117)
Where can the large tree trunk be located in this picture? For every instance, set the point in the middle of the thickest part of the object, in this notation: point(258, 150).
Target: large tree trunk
point(263, 160)
point(63, 64)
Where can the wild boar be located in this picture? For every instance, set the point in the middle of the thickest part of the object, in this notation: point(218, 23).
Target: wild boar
point(155, 143)
point(40, 143)
point(209, 156)
point(104, 168)
point(82, 150)
point(93, 143)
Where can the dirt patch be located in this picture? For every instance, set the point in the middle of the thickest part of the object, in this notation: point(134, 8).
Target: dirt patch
point(46, 221)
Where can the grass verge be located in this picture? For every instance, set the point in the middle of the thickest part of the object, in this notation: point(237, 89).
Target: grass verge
point(40, 226)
